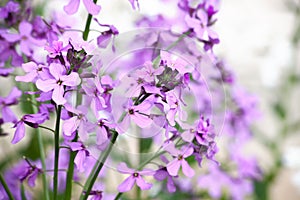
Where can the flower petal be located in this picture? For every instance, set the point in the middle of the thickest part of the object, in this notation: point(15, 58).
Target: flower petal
point(173, 167)
point(127, 184)
point(143, 184)
point(72, 7)
point(124, 169)
point(58, 95)
point(91, 7)
point(186, 169)
point(57, 70)
point(70, 125)
point(25, 28)
point(71, 80)
point(46, 85)
point(19, 133)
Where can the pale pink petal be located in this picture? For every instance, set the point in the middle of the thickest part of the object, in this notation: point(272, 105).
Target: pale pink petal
point(91, 7)
point(187, 136)
point(25, 47)
point(46, 85)
point(101, 135)
point(57, 95)
point(71, 79)
point(141, 120)
point(124, 169)
point(186, 169)
point(79, 160)
point(30, 66)
point(143, 184)
point(72, 7)
point(70, 125)
point(25, 28)
point(127, 184)
point(188, 151)
point(29, 77)
point(173, 167)
point(57, 70)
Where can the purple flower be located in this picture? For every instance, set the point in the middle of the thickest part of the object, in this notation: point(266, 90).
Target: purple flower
point(55, 49)
point(135, 177)
point(33, 71)
point(138, 114)
point(82, 154)
point(24, 37)
point(77, 121)
point(179, 160)
point(73, 6)
point(30, 172)
point(203, 133)
point(32, 120)
point(173, 107)
point(104, 39)
point(201, 27)
point(175, 62)
point(94, 90)
point(11, 99)
point(162, 174)
point(10, 8)
point(57, 82)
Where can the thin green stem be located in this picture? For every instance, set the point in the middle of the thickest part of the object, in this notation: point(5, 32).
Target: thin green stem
point(41, 147)
point(100, 163)
point(47, 128)
point(56, 151)
point(69, 181)
point(23, 196)
point(87, 26)
point(118, 195)
point(6, 188)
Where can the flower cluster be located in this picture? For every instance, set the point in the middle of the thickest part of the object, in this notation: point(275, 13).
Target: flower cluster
point(164, 90)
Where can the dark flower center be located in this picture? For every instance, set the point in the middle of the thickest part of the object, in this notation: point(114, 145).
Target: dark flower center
point(131, 111)
point(135, 174)
point(59, 82)
point(180, 157)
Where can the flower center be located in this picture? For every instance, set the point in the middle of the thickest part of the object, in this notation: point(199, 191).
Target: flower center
point(135, 174)
point(180, 157)
point(59, 82)
point(131, 111)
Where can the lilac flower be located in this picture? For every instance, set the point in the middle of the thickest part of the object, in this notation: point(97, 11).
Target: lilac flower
point(94, 90)
point(82, 154)
point(139, 114)
point(34, 71)
point(200, 26)
point(203, 133)
point(8, 50)
point(11, 99)
point(24, 37)
point(103, 124)
point(175, 62)
point(104, 39)
point(162, 174)
point(55, 49)
point(10, 8)
point(77, 121)
point(29, 171)
point(135, 177)
point(32, 120)
point(173, 107)
point(57, 82)
point(73, 6)
point(179, 160)
point(5, 71)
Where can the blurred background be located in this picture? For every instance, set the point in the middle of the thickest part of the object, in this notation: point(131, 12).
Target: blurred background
point(260, 42)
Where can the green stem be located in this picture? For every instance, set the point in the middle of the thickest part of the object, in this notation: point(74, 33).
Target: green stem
point(56, 153)
point(41, 148)
point(6, 188)
point(23, 196)
point(118, 195)
point(69, 181)
point(87, 26)
point(98, 166)
point(47, 128)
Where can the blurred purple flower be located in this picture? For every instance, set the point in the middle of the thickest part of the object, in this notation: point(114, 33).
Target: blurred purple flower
point(34, 71)
point(73, 6)
point(32, 120)
point(11, 99)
